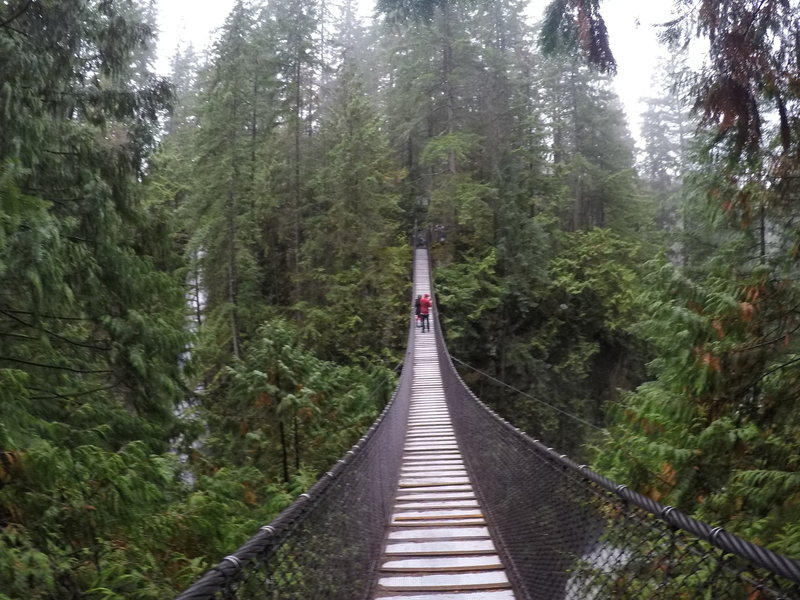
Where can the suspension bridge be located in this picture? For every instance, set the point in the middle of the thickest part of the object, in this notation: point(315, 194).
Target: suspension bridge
point(444, 500)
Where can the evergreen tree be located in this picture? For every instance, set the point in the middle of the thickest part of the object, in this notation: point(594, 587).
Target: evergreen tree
point(235, 119)
point(714, 429)
point(91, 330)
point(667, 129)
point(355, 253)
point(297, 56)
point(591, 149)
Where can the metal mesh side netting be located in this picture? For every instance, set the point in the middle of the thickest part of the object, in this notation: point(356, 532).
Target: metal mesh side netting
point(566, 532)
point(327, 543)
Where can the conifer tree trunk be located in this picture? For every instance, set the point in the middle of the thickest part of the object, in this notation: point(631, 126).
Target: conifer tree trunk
point(447, 72)
point(198, 306)
point(232, 283)
point(298, 99)
point(284, 451)
point(296, 445)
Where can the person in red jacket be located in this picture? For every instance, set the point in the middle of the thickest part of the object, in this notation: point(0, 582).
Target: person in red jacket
point(425, 312)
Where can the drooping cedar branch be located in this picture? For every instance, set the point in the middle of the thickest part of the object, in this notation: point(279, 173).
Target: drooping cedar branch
point(752, 45)
point(52, 333)
point(578, 25)
point(57, 367)
point(43, 316)
point(69, 395)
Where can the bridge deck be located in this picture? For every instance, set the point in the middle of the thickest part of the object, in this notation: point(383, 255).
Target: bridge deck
point(438, 546)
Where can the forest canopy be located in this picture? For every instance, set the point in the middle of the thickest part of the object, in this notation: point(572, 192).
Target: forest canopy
point(204, 278)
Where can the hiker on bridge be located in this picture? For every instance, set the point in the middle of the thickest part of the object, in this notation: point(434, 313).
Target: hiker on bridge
point(424, 312)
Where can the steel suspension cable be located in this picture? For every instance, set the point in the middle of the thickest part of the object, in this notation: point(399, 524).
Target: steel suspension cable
point(535, 399)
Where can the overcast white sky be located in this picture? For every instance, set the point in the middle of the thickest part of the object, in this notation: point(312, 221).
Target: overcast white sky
point(630, 24)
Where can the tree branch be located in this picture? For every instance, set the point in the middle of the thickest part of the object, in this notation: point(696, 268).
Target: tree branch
point(20, 11)
point(69, 395)
point(55, 335)
point(766, 343)
point(18, 336)
point(773, 370)
point(60, 153)
point(26, 312)
point(46, 366)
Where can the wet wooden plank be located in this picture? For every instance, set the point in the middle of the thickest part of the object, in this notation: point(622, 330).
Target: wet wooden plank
point(436, 504)
point(444, 563)
point(413, 482)
point(428, 468)
point(466, 495)
point(438, 533)
point(484, 595)
point(427, 439)
point(430, 472)
point(421, 457)
point(450, 513)
point(435, 462)
point(437, 488)
point(428, 414)
point(433, 457)
point(434, 474)
point(421, 467)
point(465, 522)
point(461, 547)
point(446, 581)
point(427, 451)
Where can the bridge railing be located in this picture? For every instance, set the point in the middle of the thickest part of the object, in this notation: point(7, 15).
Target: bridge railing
point(325, 546)
point(566, 532)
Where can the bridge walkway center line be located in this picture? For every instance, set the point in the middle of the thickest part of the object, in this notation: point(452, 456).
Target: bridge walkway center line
point(438, 546)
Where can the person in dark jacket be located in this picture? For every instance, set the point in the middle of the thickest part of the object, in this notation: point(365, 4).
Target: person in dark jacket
point(416, 310)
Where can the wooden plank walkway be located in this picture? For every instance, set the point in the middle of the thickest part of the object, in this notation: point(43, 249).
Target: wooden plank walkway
point(438, 546)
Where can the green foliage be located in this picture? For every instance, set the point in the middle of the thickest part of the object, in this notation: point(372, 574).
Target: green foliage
point(570, 25)
point(593, 271)
point(714, 431)
point(288, 410)
point(413, 10)
point(505, 152)
point(355, 257)
point(465, 293)
point(750, 74)
point(567, 342)
point(458, 146)
point(277, 207)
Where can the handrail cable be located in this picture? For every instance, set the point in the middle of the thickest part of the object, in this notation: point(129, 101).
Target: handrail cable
point(534, 398)
point(602, 430)
point(629, 519)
